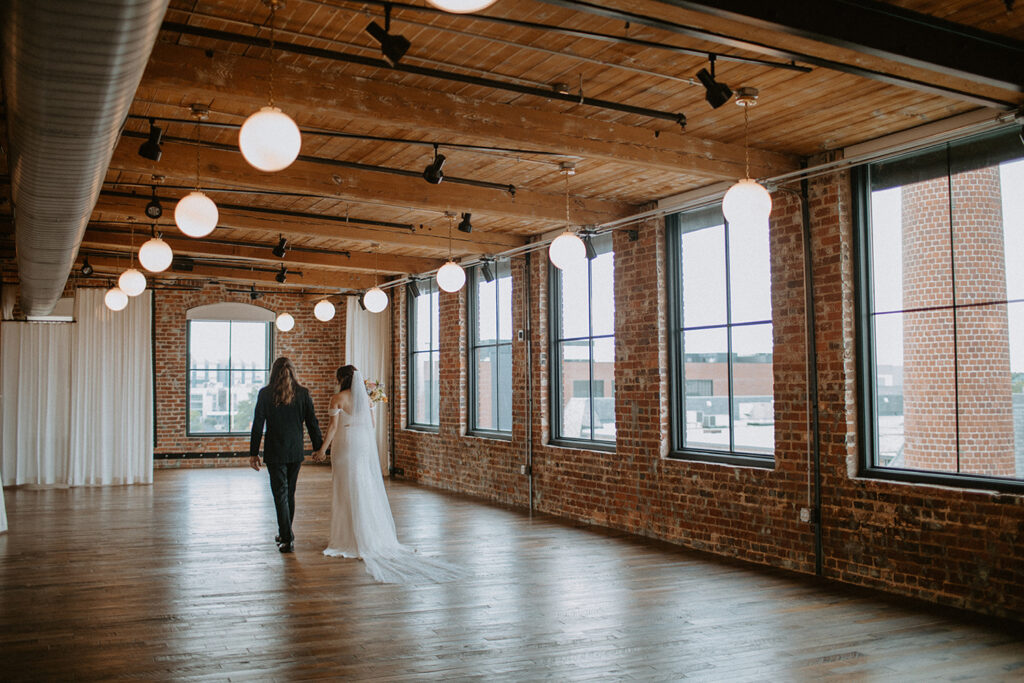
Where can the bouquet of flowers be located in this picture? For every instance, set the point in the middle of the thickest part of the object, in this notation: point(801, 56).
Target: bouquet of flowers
point(375, 390)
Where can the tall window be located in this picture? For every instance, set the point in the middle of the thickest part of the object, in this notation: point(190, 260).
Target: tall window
point(720, 321)
point(228, 363)
point(941, 297)
point(424, 356)
point(583, 348)
point(490, 348)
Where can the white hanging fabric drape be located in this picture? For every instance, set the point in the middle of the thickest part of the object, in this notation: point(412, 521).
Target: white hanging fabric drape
point(368, 347)
point(112, 392)
point(77, 398)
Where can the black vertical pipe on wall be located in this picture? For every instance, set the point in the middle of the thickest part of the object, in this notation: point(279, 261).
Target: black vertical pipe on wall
point(812, 375)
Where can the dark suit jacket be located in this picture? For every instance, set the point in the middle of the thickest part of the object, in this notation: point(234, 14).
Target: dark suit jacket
point(284, 441)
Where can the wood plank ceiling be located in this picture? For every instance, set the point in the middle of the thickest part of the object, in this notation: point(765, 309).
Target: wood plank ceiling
point(354, 208)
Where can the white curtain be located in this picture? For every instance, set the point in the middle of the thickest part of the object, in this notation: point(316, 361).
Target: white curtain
point(112, 392)
point(368, 347)
point(77, 398)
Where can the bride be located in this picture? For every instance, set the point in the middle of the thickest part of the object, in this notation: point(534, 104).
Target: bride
point(361, 521)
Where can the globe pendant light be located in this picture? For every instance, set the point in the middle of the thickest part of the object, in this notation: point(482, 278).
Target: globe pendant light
point(461, 6)
point(132, 282)
point(285, 322)
point(324, 310)
point(195, 214)
point(567, 248)
point(376, 300)
point(269, 139)
point(450, 277)
point(747, 202)
point(155, 255)
point(115, 299)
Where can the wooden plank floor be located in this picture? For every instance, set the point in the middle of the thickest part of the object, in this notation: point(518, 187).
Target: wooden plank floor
point(181, 580)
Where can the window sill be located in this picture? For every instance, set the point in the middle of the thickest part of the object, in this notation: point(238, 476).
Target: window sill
point(958, 481)
point(596, 446)
point(729, 459)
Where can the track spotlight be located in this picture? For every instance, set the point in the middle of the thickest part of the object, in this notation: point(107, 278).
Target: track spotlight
point(487, 271)
point(150, 149)
point(412, 288)
point(87, 269)
point(588, 246)
point(392, 48)
point(465, 225)
point(717, 93)
point(433, 173)
point(282, 275)
point(281, 249)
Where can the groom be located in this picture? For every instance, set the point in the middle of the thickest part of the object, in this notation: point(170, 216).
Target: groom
point(284, 406)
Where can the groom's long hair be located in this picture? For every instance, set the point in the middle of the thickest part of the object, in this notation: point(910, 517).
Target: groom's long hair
point(282, 381)
point(344, 376)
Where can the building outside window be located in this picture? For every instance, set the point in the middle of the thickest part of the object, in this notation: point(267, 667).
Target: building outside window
point(720, 326)
point(941, 303)
point(424, 356)
point(228, 363)
point(583, 348)
point(490, 349)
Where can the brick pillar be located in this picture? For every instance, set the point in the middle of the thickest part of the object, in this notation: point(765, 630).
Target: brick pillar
point(933, 389)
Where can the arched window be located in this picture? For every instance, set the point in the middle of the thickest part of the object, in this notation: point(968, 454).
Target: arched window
point(229, 347)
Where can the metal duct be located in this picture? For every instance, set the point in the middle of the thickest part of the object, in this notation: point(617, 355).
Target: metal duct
point(70, 71)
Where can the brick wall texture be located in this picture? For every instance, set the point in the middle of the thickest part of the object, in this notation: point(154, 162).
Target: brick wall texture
point(950, 546)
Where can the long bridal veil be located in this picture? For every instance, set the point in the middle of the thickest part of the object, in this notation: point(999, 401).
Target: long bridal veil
point(361, 521)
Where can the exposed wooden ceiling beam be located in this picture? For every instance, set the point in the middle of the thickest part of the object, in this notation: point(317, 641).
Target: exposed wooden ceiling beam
point(292, 224)
point(193, 75)
point(349, 261)
point(222, 166)
point(306, 278)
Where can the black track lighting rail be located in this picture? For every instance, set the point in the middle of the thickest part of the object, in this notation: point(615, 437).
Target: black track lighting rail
point(511, 189)
point(318, 217)
point(577, 33)
point(357, 136)
point(332, 55)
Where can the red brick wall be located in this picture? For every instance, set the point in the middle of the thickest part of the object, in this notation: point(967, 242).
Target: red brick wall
point(950, 546)
point(316, 348)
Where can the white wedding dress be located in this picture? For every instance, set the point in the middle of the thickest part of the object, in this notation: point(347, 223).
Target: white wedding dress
point(361, 521)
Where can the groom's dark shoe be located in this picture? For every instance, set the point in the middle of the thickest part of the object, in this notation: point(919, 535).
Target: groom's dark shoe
point(286, 547)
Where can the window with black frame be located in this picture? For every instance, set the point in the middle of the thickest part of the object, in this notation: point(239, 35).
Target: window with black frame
point(583, 348)
point(228, 363)
point(941, 302)
point(490, 348)
point(720, 322)
point(424, 356)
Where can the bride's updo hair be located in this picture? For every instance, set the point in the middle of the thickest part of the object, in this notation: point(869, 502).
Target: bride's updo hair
point(344, 375)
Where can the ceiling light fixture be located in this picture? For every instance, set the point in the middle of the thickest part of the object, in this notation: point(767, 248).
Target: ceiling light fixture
point(324, 310)
point(392, 47)
point(155, 255)
point(433, 173)
point(450, 277)
point(282, 275)
point(282, 248)
point(87, 269)
point(269, 139)
point(285, 322)
point(567, 248)
point(717, 93)
point(747, 202)
point(465, 225)
point(461, 6)
point(115, 299)
point(195, 214)
point(150, 149)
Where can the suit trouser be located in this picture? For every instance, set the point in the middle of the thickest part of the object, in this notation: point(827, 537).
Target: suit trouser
point(283, 477)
